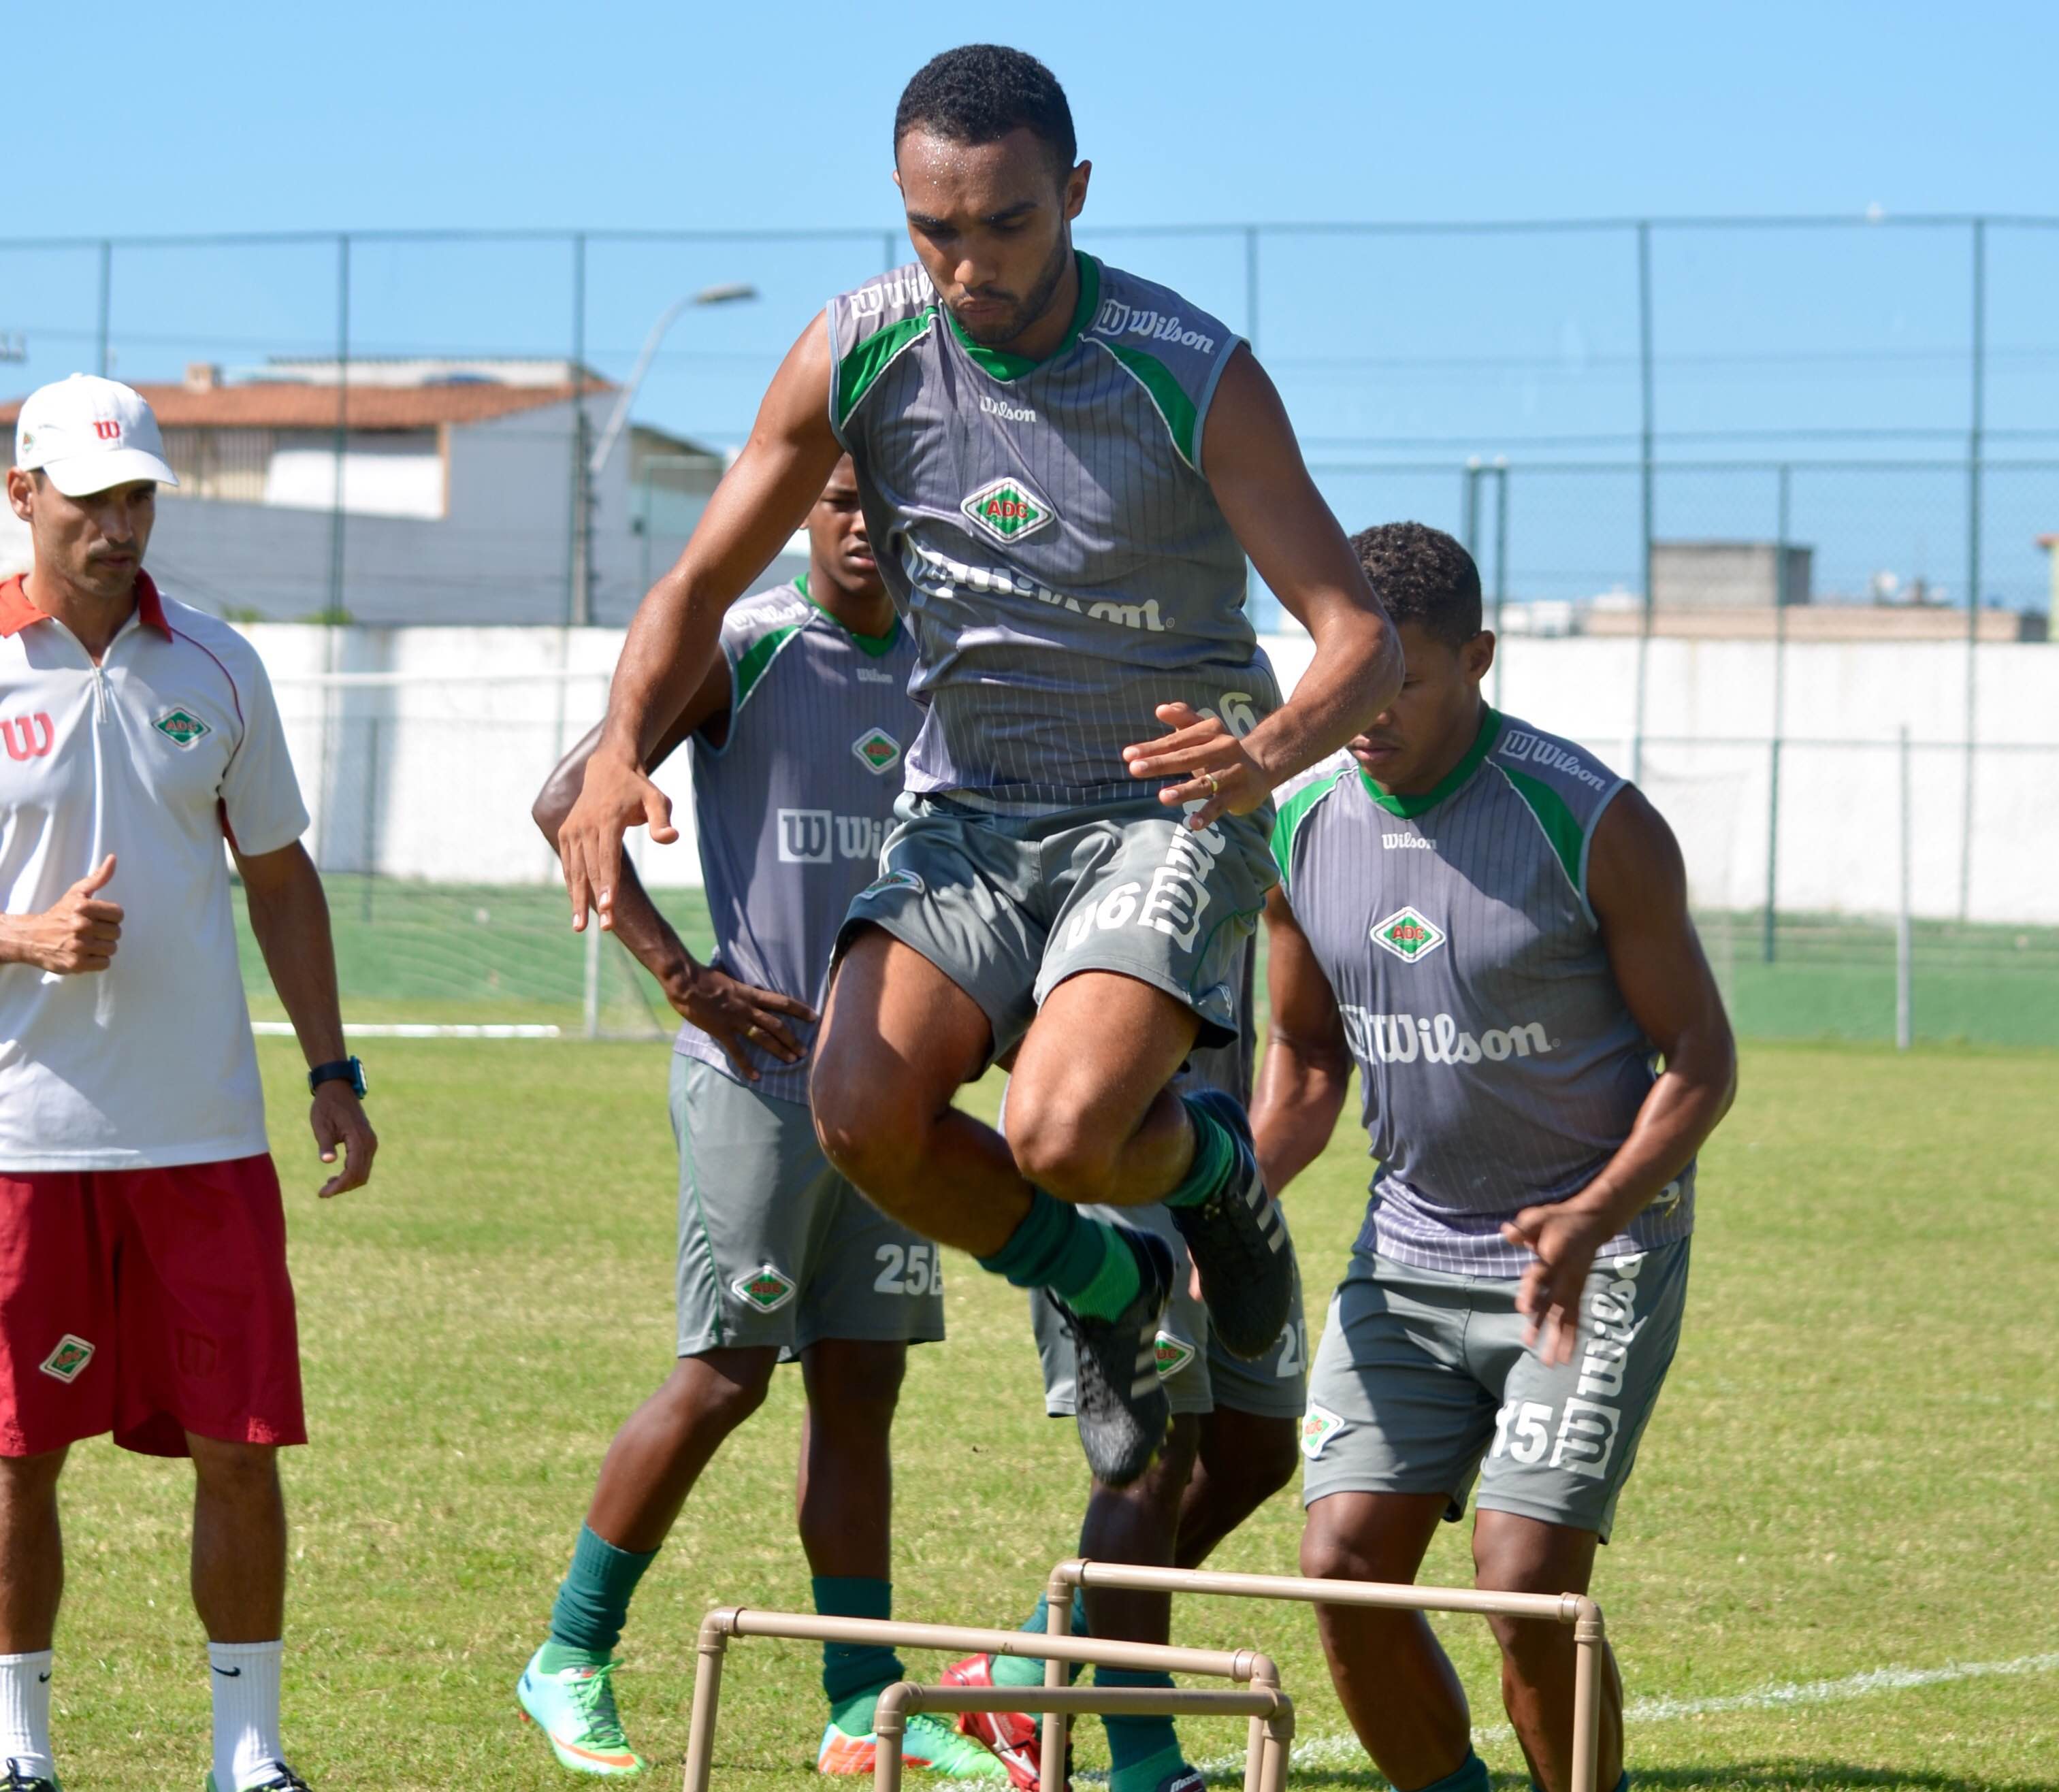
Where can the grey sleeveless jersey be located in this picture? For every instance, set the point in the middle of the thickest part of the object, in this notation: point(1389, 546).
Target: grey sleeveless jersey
point(792, 807)
point(1045, 529)
point(1499, 1066)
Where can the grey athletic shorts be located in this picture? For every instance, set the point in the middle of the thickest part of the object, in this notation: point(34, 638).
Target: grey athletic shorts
point(1422, 1382)
point(776, 1247)
point(1198, 1374)
point(1009, 906)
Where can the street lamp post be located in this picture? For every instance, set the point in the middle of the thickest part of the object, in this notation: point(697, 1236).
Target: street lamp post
point(585, 473)
point(727, 293)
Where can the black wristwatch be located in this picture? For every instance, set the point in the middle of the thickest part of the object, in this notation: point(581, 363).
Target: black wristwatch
point(344, 1070)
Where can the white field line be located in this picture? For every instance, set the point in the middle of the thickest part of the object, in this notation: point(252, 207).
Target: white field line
point(1344, 1751)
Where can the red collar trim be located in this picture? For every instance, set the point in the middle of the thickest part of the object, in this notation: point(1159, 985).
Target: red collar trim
point(150, 607)
point(17, 612)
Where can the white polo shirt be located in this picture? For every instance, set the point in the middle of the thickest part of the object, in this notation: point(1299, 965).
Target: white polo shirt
point(171, 742)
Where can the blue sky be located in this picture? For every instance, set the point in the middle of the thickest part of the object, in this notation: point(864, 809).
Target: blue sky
point(1391, 351)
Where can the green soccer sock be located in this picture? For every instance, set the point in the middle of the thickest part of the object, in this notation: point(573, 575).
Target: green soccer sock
point(1470, 1775)
point(593, 1603)
point(1024, 1671)
point(1084, 1262)
point(854, 1673)
point(1141, 1751)
point(1215, 1157)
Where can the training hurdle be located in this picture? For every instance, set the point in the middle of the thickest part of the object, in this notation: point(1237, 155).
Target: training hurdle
point(1270, 1712)
point(1581, 1612)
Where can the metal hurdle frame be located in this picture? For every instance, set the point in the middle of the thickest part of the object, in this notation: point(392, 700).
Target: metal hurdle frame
point(1270, 1711)
point(1581, 1613)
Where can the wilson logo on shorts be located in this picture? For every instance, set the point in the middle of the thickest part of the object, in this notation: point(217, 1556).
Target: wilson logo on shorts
point(878, 750)
point(1319, 1425)
point(1007, 510)
point(1173, 1355)
point(181, 729)
point(1409, 936)
point(69, 1360)
point(765, 1289)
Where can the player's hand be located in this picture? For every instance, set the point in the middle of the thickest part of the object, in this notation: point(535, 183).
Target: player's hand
point(738, 1016)
point(337, 1120)
point(1562, 1239)
point(78, 932)
point(613, 795)
point(1213, 768)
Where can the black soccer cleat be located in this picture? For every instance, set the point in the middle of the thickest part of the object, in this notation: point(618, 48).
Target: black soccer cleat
point(1118, 1400)
point(20, 1779)
point(1238, 1240)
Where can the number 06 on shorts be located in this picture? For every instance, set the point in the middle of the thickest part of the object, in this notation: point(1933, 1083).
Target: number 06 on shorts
point(776, 1247)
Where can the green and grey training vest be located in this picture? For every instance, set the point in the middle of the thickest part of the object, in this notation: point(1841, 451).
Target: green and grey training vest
point(1499, 1066)
point(1047, 532)
point(792, 807)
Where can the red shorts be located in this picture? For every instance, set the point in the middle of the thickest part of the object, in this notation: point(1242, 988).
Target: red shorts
point(149, 1303)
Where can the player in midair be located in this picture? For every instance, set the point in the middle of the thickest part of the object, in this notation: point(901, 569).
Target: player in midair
point(1492, 928)
point(1231, 1447)
point(796, 734)
point(1063, 467)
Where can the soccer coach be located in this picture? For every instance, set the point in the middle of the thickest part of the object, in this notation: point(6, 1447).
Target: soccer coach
point(143, 1284)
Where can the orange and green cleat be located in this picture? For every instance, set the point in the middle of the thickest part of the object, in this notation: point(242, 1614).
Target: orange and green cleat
point(928, 1746)
point(574, 1709)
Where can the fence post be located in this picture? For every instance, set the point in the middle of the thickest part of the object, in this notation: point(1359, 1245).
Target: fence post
point(1903, 978)
point(1767, 946)
point(1974, 450)
point(579, 576)
point(1500, 563)
point(1645, 477)
point(106, 304)
point(589, 993)
point(334, 610)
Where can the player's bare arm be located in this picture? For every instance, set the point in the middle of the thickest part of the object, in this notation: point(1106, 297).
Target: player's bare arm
point(1306, 1071)
point(1254, 469)
point(1638, 886)
point(730, 1012)
point(760, 501)
point(78, 932)
point(289, 915)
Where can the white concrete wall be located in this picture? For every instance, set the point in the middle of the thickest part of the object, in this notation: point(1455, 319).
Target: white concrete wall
point(458, 761)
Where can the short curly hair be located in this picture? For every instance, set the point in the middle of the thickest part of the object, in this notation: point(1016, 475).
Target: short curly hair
point(1423, 575)
point(979, 93)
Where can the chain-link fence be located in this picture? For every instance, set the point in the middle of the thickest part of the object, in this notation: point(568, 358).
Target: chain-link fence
point(407, 427)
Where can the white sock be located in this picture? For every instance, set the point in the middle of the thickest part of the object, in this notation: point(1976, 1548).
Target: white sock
point(25, 1713)
point(245, 1676)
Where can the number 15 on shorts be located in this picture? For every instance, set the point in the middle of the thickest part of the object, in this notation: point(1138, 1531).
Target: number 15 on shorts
point(910, 1270)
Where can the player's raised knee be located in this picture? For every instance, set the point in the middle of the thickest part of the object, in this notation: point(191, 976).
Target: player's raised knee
point(1061, 1151)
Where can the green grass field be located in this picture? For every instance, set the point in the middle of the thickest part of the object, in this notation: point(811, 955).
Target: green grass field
point(1854, 1467)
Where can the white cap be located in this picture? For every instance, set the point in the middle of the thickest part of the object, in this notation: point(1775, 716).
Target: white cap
point(88, 434)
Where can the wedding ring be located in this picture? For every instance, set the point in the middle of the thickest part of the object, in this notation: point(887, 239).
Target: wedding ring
point(1208, 778)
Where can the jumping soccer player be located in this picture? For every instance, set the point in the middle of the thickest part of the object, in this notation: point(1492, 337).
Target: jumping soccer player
point(143, 1281)
point(1231, 1447)
point(1064, 468)
point(796, 736)
point(1493, 929)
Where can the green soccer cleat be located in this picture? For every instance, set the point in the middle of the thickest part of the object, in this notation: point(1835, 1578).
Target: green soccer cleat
point(928, 1746)
point(20, 1779)
point(278, 1778)
point(574, 1709)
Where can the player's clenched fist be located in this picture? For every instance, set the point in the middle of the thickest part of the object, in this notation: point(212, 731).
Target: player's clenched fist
point(614, 795)
point(78, 932)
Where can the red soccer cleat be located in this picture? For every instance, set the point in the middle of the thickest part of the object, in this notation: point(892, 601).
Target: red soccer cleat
point(1014, 1738)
